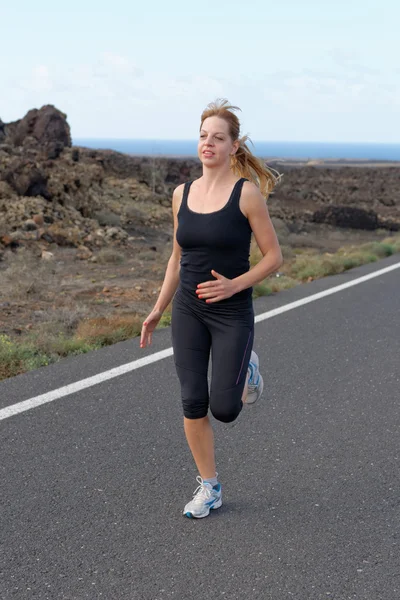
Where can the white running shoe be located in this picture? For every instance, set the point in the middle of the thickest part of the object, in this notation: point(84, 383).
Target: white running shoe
point(205, 498)
point(255, 383)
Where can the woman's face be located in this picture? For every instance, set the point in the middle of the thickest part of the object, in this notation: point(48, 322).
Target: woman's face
point(215, 144)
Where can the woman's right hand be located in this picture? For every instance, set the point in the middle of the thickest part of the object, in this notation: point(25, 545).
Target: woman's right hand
point(148, 327)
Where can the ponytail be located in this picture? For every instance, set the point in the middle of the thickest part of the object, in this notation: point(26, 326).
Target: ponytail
point(245, 164)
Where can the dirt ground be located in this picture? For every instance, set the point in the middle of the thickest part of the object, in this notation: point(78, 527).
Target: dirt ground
point(66, 288)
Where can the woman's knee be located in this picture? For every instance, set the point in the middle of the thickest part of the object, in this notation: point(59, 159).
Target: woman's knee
point(226, 406)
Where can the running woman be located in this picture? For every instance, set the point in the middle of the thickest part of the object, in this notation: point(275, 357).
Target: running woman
point(209, 279)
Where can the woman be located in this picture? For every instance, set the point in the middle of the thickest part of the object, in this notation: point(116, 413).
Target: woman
point(209, 279)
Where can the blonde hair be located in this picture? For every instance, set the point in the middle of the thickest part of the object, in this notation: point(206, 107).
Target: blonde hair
point(243, 162)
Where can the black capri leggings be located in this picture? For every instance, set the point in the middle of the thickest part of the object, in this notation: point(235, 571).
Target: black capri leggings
point(226, 331)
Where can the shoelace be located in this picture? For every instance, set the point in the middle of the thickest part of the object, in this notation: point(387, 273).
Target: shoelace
point(202, 492)
point(252, 388)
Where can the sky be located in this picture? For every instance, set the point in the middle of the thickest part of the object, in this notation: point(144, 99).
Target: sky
point(300, 70)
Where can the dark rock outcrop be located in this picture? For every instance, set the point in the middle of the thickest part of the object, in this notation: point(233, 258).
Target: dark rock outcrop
point(2, 131)
point(40, 127)
point(352, 217)
point(52, 193)
point(347, 216)
point(26, 178)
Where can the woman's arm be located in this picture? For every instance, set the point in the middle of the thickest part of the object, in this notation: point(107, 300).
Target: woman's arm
point(171, 279)
point(254, 207)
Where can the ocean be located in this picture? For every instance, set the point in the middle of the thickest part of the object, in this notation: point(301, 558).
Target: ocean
point(267, 150)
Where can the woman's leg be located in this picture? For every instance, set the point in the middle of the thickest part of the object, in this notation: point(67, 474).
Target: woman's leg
point(191, 343)
point(232, 343)
point(200, 437)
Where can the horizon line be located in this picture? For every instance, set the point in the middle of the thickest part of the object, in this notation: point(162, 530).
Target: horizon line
point(193, 140)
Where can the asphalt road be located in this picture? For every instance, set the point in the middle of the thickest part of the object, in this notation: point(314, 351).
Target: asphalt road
point(93, 484)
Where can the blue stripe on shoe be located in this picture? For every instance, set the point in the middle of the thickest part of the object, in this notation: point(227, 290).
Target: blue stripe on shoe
point(251, 367)
point(253, 371)
point(210, 502)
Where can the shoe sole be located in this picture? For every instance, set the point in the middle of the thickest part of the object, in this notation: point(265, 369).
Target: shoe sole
point(260, 391)
point(213, 507)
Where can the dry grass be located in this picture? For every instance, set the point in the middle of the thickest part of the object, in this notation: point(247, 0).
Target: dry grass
point(305, 264)
point(104, 331)
point(16, 358)
point(110, 256)
point(393, 241)
point(36, 350)
point(54, 346)
point(67, 330)
point(108, 218)
point(165, 320)
point(27, 276)
point(282, 283)
point(65, 319)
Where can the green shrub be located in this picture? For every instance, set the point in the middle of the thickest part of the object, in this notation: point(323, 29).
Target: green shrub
point(261, 289)
point(165, 320)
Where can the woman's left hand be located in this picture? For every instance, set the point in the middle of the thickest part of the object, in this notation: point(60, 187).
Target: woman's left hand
point(218, 289)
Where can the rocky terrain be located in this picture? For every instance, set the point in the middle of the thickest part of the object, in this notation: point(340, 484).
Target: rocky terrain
point(54, 193)
point(103, 219)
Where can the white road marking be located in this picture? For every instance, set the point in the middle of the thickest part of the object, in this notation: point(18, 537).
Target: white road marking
point(71, 388)
point(66, 390)
point(319, 295)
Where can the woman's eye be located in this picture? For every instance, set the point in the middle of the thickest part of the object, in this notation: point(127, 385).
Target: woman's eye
point(202, 137)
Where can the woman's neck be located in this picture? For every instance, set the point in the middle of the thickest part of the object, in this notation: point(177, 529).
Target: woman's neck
point(213, 178)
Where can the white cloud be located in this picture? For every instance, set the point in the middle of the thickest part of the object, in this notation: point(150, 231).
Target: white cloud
point(114, 97)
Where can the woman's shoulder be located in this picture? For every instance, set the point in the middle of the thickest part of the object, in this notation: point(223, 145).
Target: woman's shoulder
point(177, 195)
point(250, 188)
point(179, 189)
point(250, 191)
point(251, 198)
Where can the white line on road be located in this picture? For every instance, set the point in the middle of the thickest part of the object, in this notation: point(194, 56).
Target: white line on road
point(66, 390)
point(334, 290)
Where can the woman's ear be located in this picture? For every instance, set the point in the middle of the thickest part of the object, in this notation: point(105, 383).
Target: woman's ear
point(235, 148)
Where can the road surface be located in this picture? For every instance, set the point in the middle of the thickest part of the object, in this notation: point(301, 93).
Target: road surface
point(93, 483)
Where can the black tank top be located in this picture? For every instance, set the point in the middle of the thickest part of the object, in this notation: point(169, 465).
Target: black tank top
point(219, 240)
